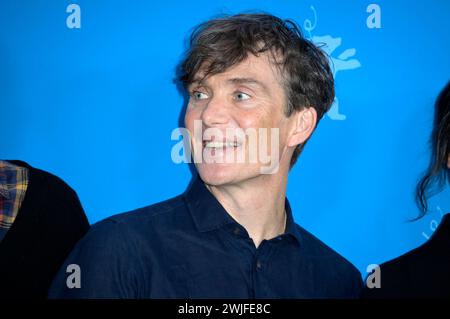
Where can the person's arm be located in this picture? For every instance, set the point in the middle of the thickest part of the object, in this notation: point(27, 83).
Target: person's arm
point(63, 223)
point(102, 265)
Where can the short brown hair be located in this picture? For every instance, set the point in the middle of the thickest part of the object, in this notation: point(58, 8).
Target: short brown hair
point(227, 41)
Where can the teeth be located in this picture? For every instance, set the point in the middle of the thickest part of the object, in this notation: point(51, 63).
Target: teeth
point(215, 144)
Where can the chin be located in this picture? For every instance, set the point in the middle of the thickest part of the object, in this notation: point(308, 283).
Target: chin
point(220, 174)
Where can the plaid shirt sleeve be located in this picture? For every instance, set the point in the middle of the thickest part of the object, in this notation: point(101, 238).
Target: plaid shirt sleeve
point(13, 186)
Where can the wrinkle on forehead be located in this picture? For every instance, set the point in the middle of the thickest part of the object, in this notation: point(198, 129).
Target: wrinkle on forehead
point(245, 69)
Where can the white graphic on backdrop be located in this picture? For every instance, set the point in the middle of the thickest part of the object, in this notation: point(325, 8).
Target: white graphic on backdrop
point(373, 21)
point(73, 20)
point(342, 62)
point(433, 225)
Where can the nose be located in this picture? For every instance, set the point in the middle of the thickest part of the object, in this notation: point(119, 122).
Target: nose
point(215, 112)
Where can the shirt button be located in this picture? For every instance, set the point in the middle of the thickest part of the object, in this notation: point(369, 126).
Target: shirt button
point(258, 264)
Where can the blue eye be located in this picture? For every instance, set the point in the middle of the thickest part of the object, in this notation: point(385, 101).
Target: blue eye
point(241, 96)
point(199, 95)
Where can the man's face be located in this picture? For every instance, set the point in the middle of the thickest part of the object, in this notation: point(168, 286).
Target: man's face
point(245, 98)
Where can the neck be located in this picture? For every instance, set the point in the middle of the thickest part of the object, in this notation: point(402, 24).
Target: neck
point(258, 204)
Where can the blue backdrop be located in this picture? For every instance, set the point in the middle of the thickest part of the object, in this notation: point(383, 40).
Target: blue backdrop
point(90, 98)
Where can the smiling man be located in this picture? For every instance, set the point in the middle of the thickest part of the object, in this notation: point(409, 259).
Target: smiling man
point(257, 90)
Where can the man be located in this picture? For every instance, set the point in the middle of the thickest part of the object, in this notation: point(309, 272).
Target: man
point(41, 219)
point(232, 234)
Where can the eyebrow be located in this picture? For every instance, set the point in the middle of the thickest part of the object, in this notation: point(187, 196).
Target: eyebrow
point(248, 81)
point(200, 81)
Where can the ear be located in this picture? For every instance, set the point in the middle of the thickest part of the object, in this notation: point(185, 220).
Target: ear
point(448, 161)
point(304, 124)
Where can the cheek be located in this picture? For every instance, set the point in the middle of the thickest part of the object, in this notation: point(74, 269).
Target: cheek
point(255, 119)
point(247, 123)
point(192, 114)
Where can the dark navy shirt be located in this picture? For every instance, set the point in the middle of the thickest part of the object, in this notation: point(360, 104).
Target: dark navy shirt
point(190, 247)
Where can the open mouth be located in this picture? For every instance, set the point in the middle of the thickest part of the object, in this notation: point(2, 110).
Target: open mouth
point(220, 145)
point(216, 148)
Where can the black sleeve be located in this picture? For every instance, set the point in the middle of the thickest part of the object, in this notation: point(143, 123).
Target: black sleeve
point(63, 223)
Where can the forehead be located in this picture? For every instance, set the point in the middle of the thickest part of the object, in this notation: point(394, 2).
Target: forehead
point(260, 68)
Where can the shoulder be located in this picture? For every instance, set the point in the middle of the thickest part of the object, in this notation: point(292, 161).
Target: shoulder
point(153, 212)
point(52, 203)
point(315, 248)
point(44, 183)
point(397, 275)
point(331, 265)
point(167, 214)
point(147, 223)
point(126, 243)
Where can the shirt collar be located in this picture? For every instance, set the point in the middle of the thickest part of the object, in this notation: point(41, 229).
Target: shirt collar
point(209, 214)
point(291, 228)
